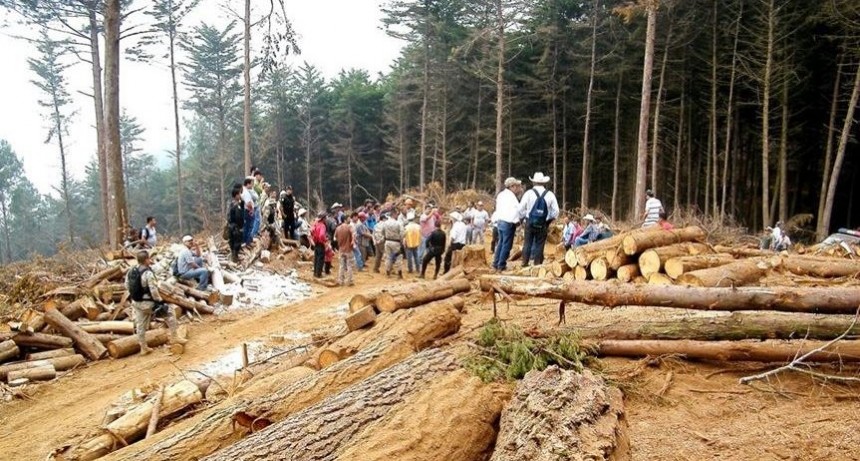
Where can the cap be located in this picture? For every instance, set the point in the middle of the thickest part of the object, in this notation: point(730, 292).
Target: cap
point(187, 239)
point(512, 181)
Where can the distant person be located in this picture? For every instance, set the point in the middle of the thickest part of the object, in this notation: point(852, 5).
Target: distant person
point(250, 204)
point(259, 200)
point(571, 231)
point(427, 221)
point(364, 237)
point(148, 234)
point(303, 228)
point(346, 257)
point(190, 264)
point(142, 287)
point(779, 241)
point(393, 233)
point(379, 242)
point(653, 207)
point(508, 215)
point(288, 213)
point(435, 244)
point(235, 225)
point(539, 208)
point(590, 234)
point(458, 238)
point(354, 224)
point(664, 223)
point(319, 240)
point(411, 242)
point(480, 218)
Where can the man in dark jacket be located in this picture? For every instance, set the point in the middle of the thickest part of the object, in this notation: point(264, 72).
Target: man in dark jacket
point(288, 211)
point(235, 224)
point(435, 249)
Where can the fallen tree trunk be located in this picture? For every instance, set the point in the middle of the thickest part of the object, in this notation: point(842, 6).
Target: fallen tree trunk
point(637, 242)
point(652, 261)
point(417, 294)
point(821, 266)
point(341, 416)
point(39, 373)
point(586, 253)
point(360, 318)
point(454, 273)
point(111, 273)
point(361, 301)
point(732, 351)
point(170, 296)
point(129, 345)
point(223, 425)
point(60, 364)
point(208, 297)
point(42, 341)
point(90, 346)
point(49, 354)
point(8, 350)
point(731, 327)
point(736, 274)
point(421, 429)
point(109, 326)
point(556, 411)
point(675, 267)
point(32, 321)
point(835, 300)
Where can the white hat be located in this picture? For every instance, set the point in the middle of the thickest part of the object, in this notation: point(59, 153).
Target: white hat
point(456, 216)
point(511, 181)
point(302, 211)
point(539, 178)
point(588, 217)
point(410, 216)
point(337, 205)
point(187, 239)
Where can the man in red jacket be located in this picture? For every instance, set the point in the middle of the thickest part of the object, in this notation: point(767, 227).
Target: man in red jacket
point(319, 239)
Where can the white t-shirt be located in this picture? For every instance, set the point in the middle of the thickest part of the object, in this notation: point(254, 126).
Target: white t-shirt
point(480, 218)
point(458, 232)
point(653, 207)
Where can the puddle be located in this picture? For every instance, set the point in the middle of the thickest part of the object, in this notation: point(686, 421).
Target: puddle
point(291, 342)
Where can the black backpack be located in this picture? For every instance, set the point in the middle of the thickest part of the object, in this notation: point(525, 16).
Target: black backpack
point(136, 290)
point(174, 268)
point(539, 213)
point(144, 233)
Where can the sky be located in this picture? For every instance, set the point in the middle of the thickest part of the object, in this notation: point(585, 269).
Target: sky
point(333, 35)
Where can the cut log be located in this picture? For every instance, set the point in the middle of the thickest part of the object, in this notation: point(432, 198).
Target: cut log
point(217, 279)
point(586, 253)
point(675, 267)
point(636, 243)
point(821, 266)
point(265, 256)
point(39, 373)
point(8, 350)
point(342, 416)
point(360, 318)
point(732, 351)
point(736, 274)
point(473, 257)
point(115, 326)
point(659, 278)
point(178, 297)
point(129, 345)
point(112, 255)
point(559, 268)
point(361, 301)
point(453, 418)
point(418, 294)
point(738, 252)
point(729, 327)
point(570, 276)
point(544, 271)
point(32, 321)
point(42, 341)
point(111, 273)
point(454, 273)
point(581, 273)
point(600, 270)
point(833, 300)
point(109, 292)
point(223, 425)
point(557, 414)
point(60, 364)
point(49, 354)
point(75, 310)
point(90, 346)
point(156, 408)
point(105, 338)
point(628, 272)
point(209, 297)
point(615, 258)
point(652, 261)
point(516, 253)
point(570, 258)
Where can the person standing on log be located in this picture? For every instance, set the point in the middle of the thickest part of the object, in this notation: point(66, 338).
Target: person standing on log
point(411, 242)
point(235, 224)
point(508, 215)
point(539, 208)
point(250, 204)
point(458, 238)
point(435, 248)
point(653, 207)
point(319, 239)
point(346, 258)
point(146, 301)
point(288, 213)
point(190, 264)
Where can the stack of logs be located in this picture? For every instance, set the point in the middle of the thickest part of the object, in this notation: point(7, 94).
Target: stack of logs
point(89, 321)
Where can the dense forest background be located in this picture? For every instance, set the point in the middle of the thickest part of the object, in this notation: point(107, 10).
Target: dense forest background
point(748, 114)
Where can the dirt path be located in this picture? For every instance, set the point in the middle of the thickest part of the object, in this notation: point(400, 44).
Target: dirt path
point(75, 404)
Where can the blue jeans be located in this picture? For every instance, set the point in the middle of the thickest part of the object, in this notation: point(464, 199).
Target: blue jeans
point(200, 274)
point(579, 241)
point(503, 249)
point(533, 244)
point(359, 261)
point(257, 218)
point(247, 228)
point(412, 261)
point(422, 248)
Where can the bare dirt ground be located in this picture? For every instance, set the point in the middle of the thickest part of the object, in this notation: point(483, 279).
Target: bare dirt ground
point(702, 414)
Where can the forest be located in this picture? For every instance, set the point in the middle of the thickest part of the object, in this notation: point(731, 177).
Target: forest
point(740, 110)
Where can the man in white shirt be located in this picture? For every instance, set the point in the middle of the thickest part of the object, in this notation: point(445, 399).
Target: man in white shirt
point(653, 207)
point(479, 223)
point(458, 238)
point(507, 217)
point(539, 208)
point(248, 200)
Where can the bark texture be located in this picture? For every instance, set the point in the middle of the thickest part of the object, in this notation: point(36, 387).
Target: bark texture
point(675, 267)
point(767, 351)
point(90, 346)
point(415, 295)
point(636, 243)
point(736, 274)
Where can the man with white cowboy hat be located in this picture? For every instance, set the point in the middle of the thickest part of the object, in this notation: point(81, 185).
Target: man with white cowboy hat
point(507, 215)
point(591, 232)
point(538, 208)
point(458, 238)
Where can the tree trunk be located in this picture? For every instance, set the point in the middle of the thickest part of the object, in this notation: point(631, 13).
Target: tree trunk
point(676, 199)
point(616, 148)
point(477, 141)
point(90, 346)
point(637, 242)
point(736, 274)
point(49, 354)
point(677, 266)
point(655, 141)
point(113, 146)
point(500, 96)
point(821, 266)
point(652, 261)
point(562, 411)
point(101, 150)
point(7, 235)
point(840, 153)
point(179, 192)
point(783, 155)
point(821, 228)
point(831, 300)
point(420, 428)
point(64, 172)
point(342, 416)
point(585, 186)
point(416, 295)
point(42, 341)
point(645, 113)
point(730, 113)
point(246, 73)
point(712, 147)
point(129, 345)
point(8, 350)
point(59, 363)
point(108, 326)
point(765, 116)
point(732, 351)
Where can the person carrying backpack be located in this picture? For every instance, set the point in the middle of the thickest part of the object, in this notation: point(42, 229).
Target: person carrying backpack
point(145, 301)
point(538, 209)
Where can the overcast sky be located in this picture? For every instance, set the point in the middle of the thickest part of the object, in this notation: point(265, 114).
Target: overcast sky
point(333, 35)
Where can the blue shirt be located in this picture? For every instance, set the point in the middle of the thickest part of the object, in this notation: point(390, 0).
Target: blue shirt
point(186, 258)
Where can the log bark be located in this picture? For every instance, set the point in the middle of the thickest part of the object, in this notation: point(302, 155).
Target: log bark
point(361, 318)
point(110, 326)
point(361, 301)
point(49, 354)
point(820, 266)
point(736, 274)
point(732, 351)
point(90, 346)
point(729, 327)
point(59, 363)
point(105, 338)
point(586, 253)
point(636, 243)
point(453, 418)
point(417, 294)
point(8, 350)
point(600, 269)
point(628, 272)
point(156, 408)
point(111, 273)
point(561, 414)
point(42, 341)
point(129, 345)
point(32, 321)
point(833, 300)
point(225, 424)
point(40, 373)
point(454, 273)
point(209, 297)
point(675, 267)
point(652, 261)
point(738, 252)
point(340, 417)
point(173, 297)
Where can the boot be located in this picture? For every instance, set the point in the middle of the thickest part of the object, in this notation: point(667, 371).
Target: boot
point(144, 349)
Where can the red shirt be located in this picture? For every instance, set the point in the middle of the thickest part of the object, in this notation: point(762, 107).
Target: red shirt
point(666, 225)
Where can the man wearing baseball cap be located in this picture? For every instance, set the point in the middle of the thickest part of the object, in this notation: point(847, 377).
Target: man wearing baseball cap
point(190, 264)
point(507, 215)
